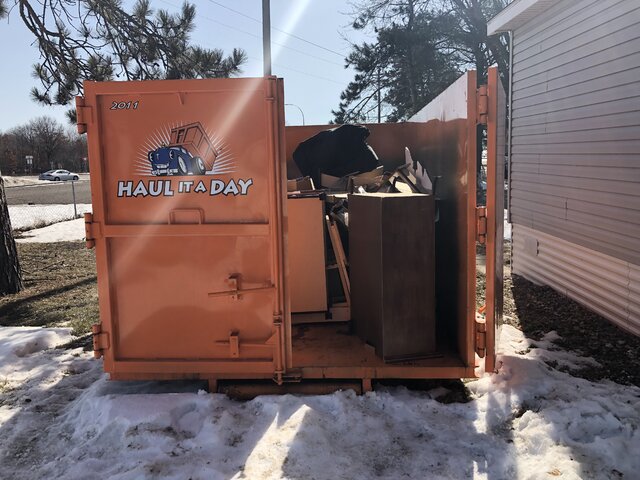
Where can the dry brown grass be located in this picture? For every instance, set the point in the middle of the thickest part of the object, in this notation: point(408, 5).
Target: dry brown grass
point(60, 288)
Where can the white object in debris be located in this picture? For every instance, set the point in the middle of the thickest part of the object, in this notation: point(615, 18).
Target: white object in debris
point(421, 175)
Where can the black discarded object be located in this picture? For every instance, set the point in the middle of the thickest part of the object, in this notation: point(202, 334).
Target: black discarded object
point(336, 152)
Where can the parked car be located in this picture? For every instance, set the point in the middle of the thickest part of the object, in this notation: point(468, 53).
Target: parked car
point(57, 175)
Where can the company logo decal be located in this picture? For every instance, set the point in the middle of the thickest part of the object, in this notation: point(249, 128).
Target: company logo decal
point(183, 150)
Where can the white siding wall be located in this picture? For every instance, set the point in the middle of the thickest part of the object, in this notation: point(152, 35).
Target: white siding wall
point(575, 185)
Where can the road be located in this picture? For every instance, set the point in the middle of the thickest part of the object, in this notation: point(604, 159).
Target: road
point(50, 193)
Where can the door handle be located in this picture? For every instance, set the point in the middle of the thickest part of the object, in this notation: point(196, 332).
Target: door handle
point(198, 211)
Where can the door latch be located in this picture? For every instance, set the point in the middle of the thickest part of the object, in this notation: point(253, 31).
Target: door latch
point(236, 292)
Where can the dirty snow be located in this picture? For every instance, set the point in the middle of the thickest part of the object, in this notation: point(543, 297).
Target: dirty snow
point(70, 230)
point(60, 418)
point(26, 217)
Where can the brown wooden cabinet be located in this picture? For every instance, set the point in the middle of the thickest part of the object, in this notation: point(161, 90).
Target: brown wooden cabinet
point(392, 260)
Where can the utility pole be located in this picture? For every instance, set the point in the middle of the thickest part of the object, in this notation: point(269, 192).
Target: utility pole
point(266, 37)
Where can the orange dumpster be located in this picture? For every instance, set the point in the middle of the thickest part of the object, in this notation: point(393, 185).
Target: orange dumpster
point(190, 229)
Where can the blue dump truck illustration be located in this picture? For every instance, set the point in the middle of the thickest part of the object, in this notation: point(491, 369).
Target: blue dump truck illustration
point(190, 152)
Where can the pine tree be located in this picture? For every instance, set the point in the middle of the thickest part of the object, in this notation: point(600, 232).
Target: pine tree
point(421, 47)
point(100, 40)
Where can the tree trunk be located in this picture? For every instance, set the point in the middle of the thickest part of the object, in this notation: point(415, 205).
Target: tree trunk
point(10, 275)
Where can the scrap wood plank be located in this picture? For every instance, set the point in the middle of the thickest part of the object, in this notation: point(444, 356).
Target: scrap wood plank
point(341, 258)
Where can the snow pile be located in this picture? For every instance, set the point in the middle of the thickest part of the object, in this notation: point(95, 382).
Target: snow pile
point(24, 356)
point(528, 421)
point(19, 342)
point(59, 232)
point(27, 217)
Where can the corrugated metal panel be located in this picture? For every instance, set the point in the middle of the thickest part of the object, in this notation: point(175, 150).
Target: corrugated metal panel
point(580, 234)
point(601, 282)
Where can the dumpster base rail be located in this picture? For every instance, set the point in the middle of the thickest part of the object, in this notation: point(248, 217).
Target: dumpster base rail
point(326, 358)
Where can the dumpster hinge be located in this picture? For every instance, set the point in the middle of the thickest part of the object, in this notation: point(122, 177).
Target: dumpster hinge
point(100, 340)
point(91, 230)
point(481, 225)
point(481, 337)
point(83, 115)
point(483, 105)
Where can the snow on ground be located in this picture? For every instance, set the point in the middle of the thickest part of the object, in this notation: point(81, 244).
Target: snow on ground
point(60, 418)
point(59, 232)
point(26, 217)
point(28, 180)
point(23, 181)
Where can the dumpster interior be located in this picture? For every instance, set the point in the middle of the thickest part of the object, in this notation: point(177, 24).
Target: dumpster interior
point(389, 201)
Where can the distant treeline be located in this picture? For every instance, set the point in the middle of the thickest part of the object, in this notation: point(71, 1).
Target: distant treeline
point(48, 142)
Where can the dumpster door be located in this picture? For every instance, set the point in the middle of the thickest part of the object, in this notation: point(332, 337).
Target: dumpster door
point(496, 137)
point(187, 183)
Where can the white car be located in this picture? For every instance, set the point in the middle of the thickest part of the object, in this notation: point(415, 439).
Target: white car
point(57, 175)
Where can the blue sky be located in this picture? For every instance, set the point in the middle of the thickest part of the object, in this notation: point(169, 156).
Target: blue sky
point(314, 74)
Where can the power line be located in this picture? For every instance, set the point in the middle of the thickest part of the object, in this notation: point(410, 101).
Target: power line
point(279, 30)
point(302, 73)
point(259, 37)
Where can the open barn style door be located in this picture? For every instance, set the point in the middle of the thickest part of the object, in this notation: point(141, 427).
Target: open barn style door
point(496, 133)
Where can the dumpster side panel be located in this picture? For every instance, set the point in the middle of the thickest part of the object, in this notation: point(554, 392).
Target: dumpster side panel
point(190, 264)
point(451, 119)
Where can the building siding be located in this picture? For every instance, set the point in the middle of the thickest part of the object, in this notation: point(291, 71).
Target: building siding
point(575, 164)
